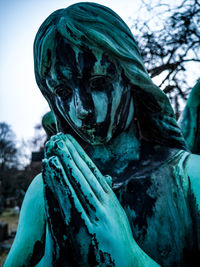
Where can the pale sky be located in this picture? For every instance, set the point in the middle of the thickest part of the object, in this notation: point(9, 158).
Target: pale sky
point(21, 103)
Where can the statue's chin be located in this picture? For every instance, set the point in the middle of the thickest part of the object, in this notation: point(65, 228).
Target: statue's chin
point(95, 140)
point(90, 136)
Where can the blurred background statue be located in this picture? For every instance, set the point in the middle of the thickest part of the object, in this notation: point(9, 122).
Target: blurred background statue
point(133, 199)
point(189, 120)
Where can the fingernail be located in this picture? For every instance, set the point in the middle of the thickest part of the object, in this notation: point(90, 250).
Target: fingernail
point(59, 144)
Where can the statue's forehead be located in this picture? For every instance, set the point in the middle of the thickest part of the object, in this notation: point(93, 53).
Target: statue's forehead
point(90, 59)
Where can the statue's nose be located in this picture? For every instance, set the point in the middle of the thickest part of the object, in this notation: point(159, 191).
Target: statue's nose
point(82, 111)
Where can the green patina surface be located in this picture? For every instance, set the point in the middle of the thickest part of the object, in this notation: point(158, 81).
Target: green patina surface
point(189, 120)
point(49, 124)
point(121, 189)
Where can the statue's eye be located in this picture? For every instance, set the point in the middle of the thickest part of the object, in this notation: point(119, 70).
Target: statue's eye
point(99, 83)
point(63, 92)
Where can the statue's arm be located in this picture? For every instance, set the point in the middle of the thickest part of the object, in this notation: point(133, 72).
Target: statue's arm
point(189, 121)
point(27, 247)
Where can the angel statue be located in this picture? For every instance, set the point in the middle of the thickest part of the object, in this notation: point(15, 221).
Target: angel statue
point(129, 194)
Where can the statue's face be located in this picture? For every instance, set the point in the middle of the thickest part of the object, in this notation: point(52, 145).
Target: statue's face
point(90, 92)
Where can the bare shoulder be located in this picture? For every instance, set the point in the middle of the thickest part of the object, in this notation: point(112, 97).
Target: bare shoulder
point(30, 227)
point(33, 202)
point(35, 189)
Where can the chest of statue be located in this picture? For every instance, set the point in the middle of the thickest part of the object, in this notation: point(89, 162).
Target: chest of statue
point(159, 214)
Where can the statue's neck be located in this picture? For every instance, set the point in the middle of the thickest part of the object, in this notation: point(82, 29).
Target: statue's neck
point(127, 155)
point(117, 154)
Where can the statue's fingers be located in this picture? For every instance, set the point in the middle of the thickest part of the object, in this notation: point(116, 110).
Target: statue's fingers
point(89, 163)
point(50, 144)
point(65, 214)
point(82, 166)
point(48, 148)
point(90, 200)
point(85, 159)
point(60, 194)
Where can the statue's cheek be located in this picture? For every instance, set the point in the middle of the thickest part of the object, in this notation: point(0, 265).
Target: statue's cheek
point(100, 100)
point(68, 111)
point(73, 116)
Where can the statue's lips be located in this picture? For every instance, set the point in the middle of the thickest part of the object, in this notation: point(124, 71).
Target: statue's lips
point(88, 131)
point(85, 128)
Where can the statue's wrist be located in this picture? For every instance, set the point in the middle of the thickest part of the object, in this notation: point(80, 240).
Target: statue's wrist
point(138, 258)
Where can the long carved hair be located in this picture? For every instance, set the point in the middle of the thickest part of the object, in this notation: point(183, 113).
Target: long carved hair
point(94, 25)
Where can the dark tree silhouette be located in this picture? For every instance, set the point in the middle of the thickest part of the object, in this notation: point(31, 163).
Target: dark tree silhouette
point(15, 174)
point(169, 41)
point(39, 138)
point(8, 149)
